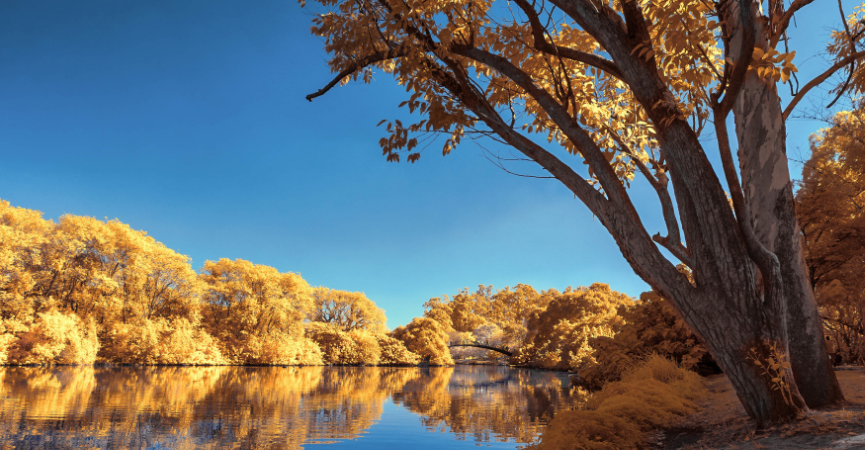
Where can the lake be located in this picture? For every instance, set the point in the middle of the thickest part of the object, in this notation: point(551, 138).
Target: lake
point(278, 407)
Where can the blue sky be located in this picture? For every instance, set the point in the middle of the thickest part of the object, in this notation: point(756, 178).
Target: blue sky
point(188, 120)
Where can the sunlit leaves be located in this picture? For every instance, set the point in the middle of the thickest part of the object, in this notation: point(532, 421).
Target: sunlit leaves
point(684, 44)
point(773, 64)
point(427, 338)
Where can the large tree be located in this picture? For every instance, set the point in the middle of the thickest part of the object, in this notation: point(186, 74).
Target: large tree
point(628, 87)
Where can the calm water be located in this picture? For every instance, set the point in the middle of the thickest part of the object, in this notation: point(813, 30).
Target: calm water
point(275, 407)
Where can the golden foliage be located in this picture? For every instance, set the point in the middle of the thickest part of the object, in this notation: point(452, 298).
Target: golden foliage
point(55, 338)
point(831, 209)
point(427, 338)
point(394, 352)
point(657, 393)
point(497, 318)
point(161, 342)
point(339, 347)
point(256, 313)
point(774, 364)
point(558, 336)
point(651, 325)
point(346, 310)
point(83, 290)
point(252, 299)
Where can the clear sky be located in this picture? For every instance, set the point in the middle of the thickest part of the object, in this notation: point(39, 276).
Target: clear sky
point(187, 119)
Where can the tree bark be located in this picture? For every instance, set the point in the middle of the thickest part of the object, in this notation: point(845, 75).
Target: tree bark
point(767, 187)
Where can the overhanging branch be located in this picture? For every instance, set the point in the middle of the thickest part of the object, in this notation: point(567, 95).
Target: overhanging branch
point(366, 61)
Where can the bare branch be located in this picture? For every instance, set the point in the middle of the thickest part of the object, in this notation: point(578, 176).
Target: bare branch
point(820, 79)
point(782, 25)
point(852, 68)
point(498, 164)
point(673, 240)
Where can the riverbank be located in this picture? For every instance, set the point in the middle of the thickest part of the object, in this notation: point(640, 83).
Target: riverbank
point(722, 424)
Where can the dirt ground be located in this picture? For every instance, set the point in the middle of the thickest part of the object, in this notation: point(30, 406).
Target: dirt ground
point(723, 424)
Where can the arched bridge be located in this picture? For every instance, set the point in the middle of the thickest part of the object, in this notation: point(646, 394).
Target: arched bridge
point(503, 351)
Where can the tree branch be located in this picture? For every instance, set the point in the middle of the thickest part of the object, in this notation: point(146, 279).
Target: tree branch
point(559, 115)
point(819, 79)
point(673, 240)
point(785, 20)
point(358, 65)
point(541, 44)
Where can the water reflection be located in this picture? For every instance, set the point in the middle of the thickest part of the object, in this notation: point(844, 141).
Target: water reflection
point(269, 407)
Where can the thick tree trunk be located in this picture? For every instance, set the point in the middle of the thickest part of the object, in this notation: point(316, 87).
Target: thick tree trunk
point(735, 344)
point(768, 190)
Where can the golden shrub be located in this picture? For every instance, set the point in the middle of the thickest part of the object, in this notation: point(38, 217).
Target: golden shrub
point(394, 352)
point(161, 341)
point(657, 393)
point(651, 326)
point(368, 350)
point(558, 336)
point(280, 349)
point(427, 338)
point(55, 338)
point(337, 346)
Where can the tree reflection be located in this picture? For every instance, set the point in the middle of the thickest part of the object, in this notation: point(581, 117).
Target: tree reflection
point(488, 402)
point(264, 407)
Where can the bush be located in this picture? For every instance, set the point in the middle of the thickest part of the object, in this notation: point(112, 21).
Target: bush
point(55, 338)
point(368, 350)
point(651, 326)
point(394, 352)
point(282, 349)
point(161, 342)
point(427, 338)
point(657, 393)
point(357, 347)
point(558, 337)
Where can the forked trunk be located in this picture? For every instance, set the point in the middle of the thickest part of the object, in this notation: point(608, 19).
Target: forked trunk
point(741, 331)
point(768, 190)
